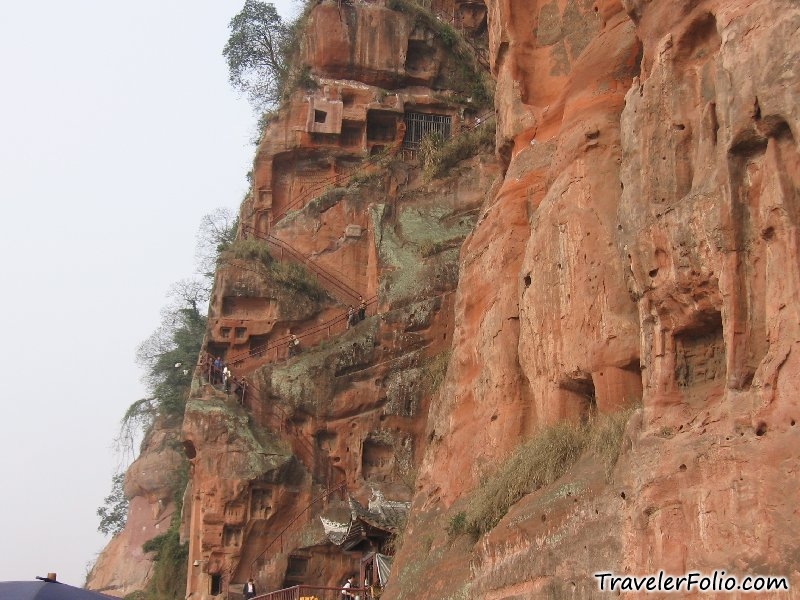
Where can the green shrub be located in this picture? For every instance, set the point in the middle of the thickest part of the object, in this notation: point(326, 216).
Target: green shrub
point(251, 249)
point(114, 512)
point(457, 525)
point(437, 156)
point(297, 278)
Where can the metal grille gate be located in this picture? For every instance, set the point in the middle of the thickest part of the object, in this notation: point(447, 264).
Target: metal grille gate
point(418, 125)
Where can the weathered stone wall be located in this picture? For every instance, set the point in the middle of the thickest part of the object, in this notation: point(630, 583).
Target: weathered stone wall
point(637, 244)
point(645, 232)
point(708, 218)
point(123, 567)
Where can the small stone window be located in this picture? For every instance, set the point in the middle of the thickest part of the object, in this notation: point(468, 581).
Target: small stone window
point(320, 116)
point(216, 585)
point(224, 331)
point(241, 332)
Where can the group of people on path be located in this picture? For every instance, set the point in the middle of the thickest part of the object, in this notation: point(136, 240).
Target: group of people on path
point(354, 316)
point(218, 373)
point(249, 589)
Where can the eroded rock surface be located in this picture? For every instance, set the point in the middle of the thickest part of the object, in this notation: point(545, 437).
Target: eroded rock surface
point(631, 241)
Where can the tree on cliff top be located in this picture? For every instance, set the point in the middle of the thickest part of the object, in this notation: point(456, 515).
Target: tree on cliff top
point(257, 53)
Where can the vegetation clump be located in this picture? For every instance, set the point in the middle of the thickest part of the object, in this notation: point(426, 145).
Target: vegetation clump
point(262, 54)
point(540, 461)
point(251, 249)
point(296, 278)
point(437, 156)
point(114, 512)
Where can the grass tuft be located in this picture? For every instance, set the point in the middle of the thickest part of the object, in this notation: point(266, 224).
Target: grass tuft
point(251, 249)
point(540, 461)
point(438, 156)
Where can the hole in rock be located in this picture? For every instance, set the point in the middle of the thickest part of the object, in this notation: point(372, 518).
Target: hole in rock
point(761, 429)
point(682, 468)
point(191, 452)
point(216, 585)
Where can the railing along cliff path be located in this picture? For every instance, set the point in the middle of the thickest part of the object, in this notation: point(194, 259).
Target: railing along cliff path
point(285, 252)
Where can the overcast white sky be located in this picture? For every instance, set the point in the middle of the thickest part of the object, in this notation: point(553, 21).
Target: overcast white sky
point(118, 132)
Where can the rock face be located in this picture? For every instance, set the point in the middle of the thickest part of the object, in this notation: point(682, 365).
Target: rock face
point(123, 567)
point(630, 239)
point(658, 188)
point(708, 216)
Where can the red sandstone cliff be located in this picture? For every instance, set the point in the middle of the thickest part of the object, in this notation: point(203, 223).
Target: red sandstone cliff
point(633, 241)
point(123, 566)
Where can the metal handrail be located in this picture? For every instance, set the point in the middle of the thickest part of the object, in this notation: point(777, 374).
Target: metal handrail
point(333, 180)
point(294, 520)
point(297, 256)
point(282, 342)
point(315, 592)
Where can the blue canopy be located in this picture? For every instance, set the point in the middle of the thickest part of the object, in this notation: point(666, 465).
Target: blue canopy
point(45, 590)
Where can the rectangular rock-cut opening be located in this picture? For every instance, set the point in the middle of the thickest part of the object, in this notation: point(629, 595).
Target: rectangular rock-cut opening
point(260, 503)
point(243, 307)
point(234, 512)
point(320, 116)
point(381, 126)
point(348, 99)
point(326, 440)
point(420, 56)
point(215, 587)
point(471, 15)
point(217, 350)
point(297, 566)
point(419, 125)
point(377, 460)
point(352, 133)
point(258, 345)
point(231, 537)
point(700, 356)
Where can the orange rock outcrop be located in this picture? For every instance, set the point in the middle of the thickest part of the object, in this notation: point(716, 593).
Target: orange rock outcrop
point(630, 240)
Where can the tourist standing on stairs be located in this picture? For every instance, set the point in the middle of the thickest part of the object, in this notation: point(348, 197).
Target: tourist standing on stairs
point(346, 593)
point(216, 370)
point(226, 379)
point(249, 589)
point(294, 346)
point(362, 309)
